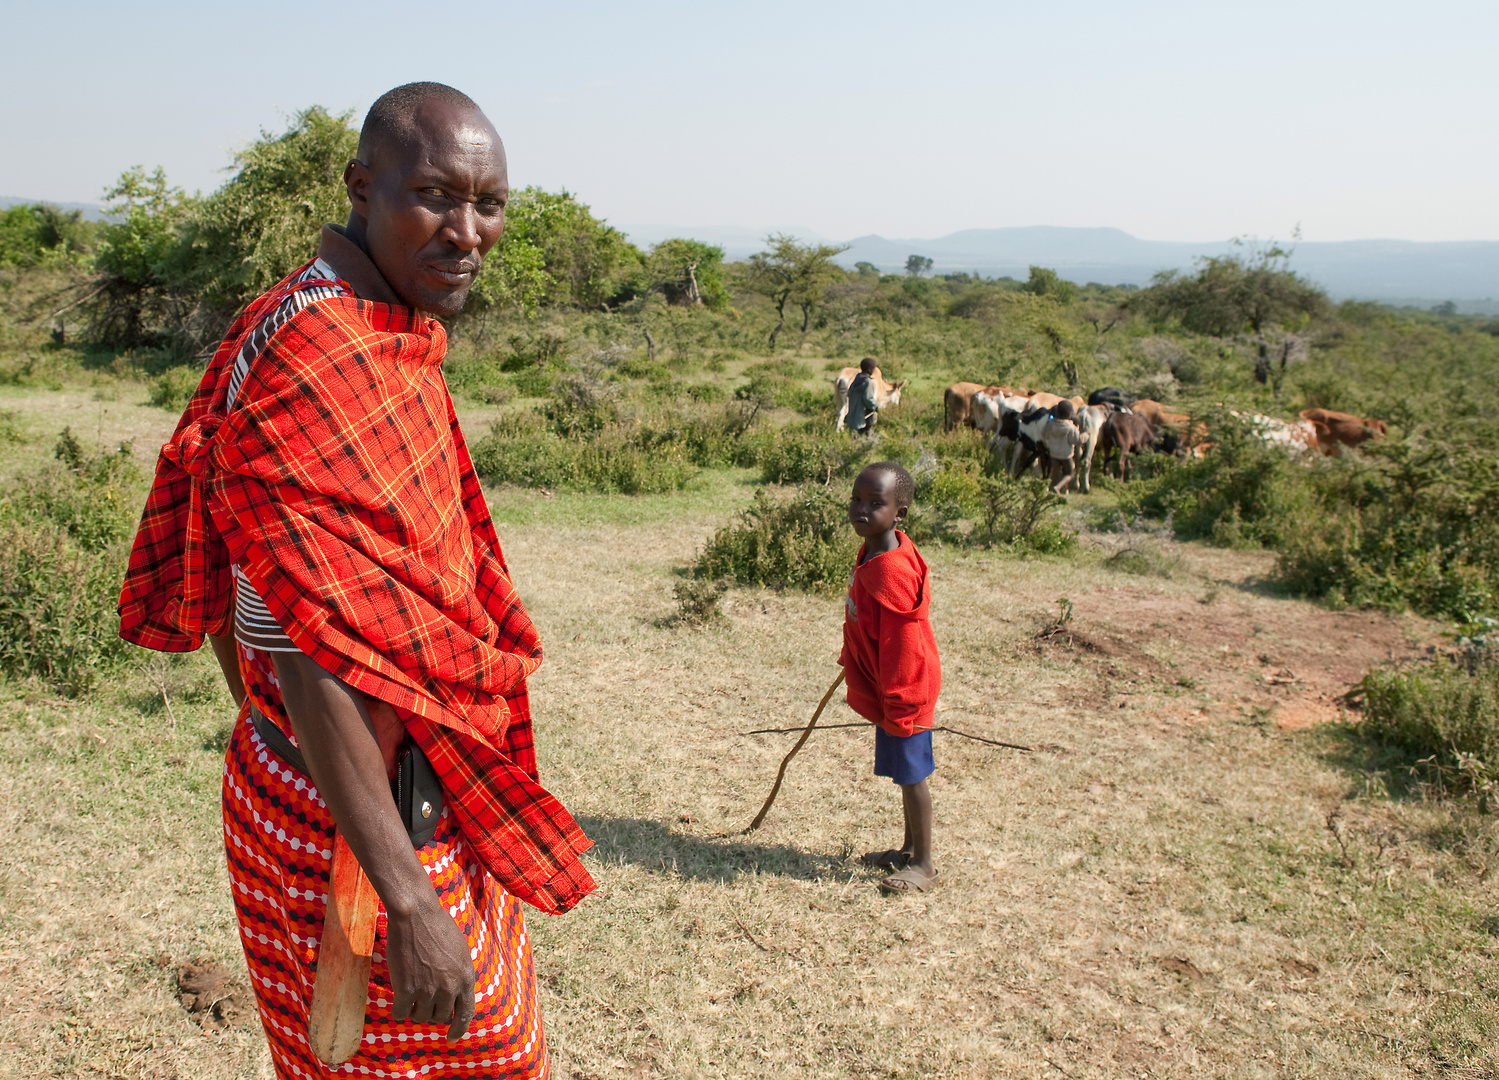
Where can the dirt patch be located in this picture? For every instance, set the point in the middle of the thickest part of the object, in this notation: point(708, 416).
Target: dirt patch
point(1185, 968)
point(1292, 663)
point(208, 993)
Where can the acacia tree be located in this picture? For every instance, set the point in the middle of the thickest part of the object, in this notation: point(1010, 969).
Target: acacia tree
point(1255, 293)
point(688, 272)
point(916, 265)
point(791, 273)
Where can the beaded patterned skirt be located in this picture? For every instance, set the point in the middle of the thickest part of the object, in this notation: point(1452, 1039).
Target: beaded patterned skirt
point(278, 837)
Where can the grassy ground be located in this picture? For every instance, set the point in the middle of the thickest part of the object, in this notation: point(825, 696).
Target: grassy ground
point(1190, 874)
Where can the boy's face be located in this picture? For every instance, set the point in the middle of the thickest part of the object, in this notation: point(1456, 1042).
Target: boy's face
point(872, 510)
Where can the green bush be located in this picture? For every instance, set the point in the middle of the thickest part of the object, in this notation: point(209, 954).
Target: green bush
point(57, 607)
point(609, 462)
point(173, 387)
point(791, 457)
point(94, 500)
point(1418, 527)
point(1447, 711)
point(803, 542)
point(1243, 493)
point(66, 530)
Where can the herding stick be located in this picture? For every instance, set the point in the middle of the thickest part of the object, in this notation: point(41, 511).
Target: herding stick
point(774, 791)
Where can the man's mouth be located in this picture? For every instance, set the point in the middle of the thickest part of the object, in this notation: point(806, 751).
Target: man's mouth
point(453, 273)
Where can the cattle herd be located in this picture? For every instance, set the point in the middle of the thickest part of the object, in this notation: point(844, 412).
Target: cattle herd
point(1111, 422)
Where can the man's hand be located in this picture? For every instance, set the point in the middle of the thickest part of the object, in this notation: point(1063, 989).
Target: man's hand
point(431, 972)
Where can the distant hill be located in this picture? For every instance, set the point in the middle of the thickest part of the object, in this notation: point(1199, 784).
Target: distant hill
point(1392, 271)
point(91, 211)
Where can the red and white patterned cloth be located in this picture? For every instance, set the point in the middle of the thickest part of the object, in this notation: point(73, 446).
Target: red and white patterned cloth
point(278, 836)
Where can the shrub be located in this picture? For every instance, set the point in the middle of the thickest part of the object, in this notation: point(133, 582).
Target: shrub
point(1242, 494)
point(57, 606)
point(796, 457)
point(803, 542)
point(173, 387)
point(1416, 527)
point(1447, 711)
point(66, 532)
point(697, 601)
point(94, 501)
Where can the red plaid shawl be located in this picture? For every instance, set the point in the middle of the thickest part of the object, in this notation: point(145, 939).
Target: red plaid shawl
point(341, 484)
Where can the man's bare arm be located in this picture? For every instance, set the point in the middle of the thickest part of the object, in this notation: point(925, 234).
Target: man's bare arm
point(431, 971)
point(228, 657)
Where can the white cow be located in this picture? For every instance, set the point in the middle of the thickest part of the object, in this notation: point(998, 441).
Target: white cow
point(886, 395)
point(988, 415)
point(1297, 436)
point(1090, 420)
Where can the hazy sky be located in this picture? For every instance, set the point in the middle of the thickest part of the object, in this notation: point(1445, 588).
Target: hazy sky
point(1171, 120)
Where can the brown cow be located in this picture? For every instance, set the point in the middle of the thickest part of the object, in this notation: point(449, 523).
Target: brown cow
point(1158, 414)
point(957, 399)
point(1162, 417)
point(1336, 430)
point(1127, 433)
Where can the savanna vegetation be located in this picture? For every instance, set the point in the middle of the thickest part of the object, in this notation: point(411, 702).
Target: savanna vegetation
point(586, 368)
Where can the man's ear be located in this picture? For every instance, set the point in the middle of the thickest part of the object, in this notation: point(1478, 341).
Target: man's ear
point(900, 513)
point(357, 181)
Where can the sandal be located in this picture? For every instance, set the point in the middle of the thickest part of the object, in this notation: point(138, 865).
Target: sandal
point(908, 881)
point(886, 860)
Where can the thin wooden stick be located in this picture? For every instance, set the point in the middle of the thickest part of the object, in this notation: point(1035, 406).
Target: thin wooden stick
point(781, 775)
point(865, 724)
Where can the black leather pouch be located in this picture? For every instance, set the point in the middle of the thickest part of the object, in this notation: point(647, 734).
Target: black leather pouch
point(418, 795)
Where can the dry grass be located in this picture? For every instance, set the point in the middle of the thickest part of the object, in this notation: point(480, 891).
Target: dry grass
point(1170, 885)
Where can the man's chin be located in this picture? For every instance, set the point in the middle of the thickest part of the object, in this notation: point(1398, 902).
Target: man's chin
point(442, 303)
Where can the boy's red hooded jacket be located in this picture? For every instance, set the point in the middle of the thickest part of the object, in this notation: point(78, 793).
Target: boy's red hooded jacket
point(889, 651)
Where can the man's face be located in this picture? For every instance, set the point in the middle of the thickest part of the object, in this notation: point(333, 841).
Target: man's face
point(434, 207)
point(872, 510)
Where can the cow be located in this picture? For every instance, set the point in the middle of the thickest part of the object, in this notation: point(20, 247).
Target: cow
point(989, 415)
point(1160, 417)
point(1090, 420)
point(1126, 433)
point(1298, 437)
point(1337, 429)
point(1045, 400)
point(957, 401)
point(1112, 395)
point(1028, 426)
point(886, 395)
point(1158, 414)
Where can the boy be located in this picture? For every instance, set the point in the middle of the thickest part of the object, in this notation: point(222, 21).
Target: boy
point(863, 402)
point(1058, 438)
point(890, 661)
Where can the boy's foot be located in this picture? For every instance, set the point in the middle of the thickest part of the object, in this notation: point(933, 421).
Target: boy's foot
point(910, 880)
point(887, 860)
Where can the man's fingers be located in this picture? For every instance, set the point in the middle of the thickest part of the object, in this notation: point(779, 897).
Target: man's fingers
point(463, 1015)
point(401, 1004)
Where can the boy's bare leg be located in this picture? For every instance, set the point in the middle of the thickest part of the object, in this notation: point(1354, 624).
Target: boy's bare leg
point(917, 800)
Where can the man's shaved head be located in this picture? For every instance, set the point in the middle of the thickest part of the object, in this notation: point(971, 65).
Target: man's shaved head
point(392, 118)
point(427, 193)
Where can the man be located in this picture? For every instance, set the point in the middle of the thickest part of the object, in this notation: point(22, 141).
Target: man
point(863, 402)
point(317, 517)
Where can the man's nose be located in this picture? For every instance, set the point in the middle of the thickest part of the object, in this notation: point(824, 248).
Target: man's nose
point(461, 226)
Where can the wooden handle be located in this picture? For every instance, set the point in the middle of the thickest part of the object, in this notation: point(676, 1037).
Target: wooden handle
point(335, 1022)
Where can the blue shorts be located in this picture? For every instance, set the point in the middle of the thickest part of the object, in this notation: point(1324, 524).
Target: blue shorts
point(905, 760)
